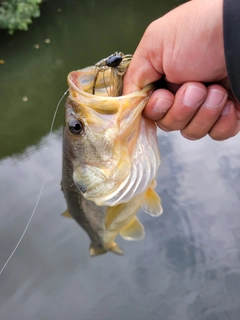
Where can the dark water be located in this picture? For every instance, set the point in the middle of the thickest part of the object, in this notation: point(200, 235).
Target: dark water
point(187, 267)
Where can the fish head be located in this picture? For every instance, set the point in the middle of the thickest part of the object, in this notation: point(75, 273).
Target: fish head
point(101, 132)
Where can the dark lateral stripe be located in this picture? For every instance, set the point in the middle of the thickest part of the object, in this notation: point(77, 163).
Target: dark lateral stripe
point(231, 31)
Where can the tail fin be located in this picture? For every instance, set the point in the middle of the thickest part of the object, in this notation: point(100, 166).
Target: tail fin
point(116, 249)
point(97, 251)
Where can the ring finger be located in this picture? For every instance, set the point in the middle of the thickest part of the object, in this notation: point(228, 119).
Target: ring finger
point(207, 114)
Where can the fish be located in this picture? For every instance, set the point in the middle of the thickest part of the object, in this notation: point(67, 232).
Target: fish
point(110, 155)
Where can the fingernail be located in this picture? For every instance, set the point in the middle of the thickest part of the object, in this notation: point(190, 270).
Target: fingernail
point(214, 98)
point(193, 96)
point(226, 109)
point(162, 105)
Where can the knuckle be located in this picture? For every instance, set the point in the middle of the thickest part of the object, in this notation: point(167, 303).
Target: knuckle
point(224, 130)
point(180, 119)
point(220, 135)
point(172, 123)
point(164, 127)
point(192, 136)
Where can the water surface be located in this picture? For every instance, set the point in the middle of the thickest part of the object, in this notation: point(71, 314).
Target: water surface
point(188, 265)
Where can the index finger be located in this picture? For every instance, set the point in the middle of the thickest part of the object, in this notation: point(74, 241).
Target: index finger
point(142, 71)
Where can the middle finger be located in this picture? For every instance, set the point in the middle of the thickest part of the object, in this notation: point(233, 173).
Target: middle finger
point(207, 114)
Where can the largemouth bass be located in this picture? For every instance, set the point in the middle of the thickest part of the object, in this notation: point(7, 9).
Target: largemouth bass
point(110, 155)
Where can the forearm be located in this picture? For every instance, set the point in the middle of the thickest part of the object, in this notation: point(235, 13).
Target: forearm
point(231, 30)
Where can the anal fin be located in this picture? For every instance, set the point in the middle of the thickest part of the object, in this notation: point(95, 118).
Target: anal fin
point(133, 231)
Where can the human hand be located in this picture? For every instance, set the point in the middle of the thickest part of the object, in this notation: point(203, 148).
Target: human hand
point(186, 48)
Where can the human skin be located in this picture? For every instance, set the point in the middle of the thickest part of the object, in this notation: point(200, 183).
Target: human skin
point(185, 47)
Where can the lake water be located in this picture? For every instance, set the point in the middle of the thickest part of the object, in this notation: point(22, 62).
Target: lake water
point(188, 265)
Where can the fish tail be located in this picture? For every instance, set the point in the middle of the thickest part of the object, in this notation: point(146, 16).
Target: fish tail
point(93, 251)
point(116, 249)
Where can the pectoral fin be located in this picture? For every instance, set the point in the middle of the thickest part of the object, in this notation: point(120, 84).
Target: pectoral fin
point(112, 213)
point(66, 214)
point(133, 231)
point(152, 203)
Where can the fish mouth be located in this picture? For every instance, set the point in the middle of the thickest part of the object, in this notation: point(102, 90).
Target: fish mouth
point(80, 82)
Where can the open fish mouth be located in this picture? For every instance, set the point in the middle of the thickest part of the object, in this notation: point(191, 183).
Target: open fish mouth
point(105, 78)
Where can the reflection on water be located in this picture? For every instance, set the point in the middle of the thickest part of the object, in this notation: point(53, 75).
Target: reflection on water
point(188, 265)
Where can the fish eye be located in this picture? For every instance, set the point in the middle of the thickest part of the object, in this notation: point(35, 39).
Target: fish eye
point(75, 126)
point(114, 61)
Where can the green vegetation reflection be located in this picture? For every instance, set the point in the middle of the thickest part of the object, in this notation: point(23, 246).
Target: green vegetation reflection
point(67, 36)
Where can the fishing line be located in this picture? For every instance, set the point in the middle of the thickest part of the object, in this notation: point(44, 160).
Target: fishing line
point(104, 80)
point(25, 230)
point(43, 185)
point(41, 190)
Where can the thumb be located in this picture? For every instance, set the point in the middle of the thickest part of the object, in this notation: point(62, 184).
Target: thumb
point(146, 65)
